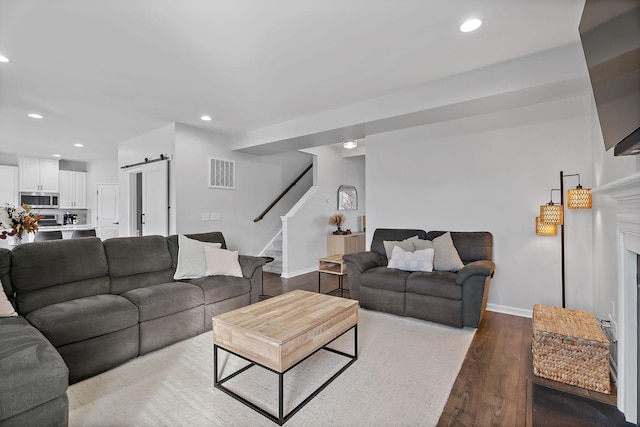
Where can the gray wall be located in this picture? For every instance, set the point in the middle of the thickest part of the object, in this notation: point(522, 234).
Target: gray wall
point(259, 180)
point(492, 172)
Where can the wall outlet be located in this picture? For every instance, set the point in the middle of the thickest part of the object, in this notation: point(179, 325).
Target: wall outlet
point(215, 216)
point(205, 216)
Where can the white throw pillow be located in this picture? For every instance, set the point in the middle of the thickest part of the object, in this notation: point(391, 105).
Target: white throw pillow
point(221, 262)
point(191, 259)
point(6, 309)
point(447, 257)
point(420, 260)
point(405, 244)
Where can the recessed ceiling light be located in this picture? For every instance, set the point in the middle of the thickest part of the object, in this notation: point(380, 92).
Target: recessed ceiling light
point(4, 58)
point(56, 155)
point(78, 145)
point(205, 118)
point(35, 116)
point(470, 25)
point(349, 145)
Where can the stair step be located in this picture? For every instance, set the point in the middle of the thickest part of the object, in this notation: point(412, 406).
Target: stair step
point(274, 251)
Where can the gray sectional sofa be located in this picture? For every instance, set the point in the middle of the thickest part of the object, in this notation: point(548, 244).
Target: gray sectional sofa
point(86, 306)
point(453, 298)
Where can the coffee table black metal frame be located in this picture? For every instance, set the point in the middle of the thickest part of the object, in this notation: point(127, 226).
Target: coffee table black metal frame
point(282, 418)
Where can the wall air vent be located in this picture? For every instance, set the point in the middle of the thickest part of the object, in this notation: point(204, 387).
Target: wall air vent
point(222, 173)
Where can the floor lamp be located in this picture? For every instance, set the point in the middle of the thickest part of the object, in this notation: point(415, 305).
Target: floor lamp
point(552, 215)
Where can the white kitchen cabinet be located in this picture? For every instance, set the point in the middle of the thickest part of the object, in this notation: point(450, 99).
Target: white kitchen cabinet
point(40, 175)
point(73, 190)
point(9, 187)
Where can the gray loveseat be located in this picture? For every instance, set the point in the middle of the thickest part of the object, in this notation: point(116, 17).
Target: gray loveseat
point(87, 306)
point(452, 298)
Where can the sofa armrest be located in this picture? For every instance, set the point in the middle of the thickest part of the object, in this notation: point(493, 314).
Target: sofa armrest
point(363, 261)
point(249, 264)
point(477, 268)
point(252, 269)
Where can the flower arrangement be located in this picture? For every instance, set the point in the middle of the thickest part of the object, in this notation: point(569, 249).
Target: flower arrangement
point(19, 219)
point(337, 220)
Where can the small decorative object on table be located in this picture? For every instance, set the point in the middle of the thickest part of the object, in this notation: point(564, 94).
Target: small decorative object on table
point(337, 220)
point(20, 220)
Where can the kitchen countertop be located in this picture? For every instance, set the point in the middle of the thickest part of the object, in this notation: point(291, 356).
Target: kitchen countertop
point(66, 227)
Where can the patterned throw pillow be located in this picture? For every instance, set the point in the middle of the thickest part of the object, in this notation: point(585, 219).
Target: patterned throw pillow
point(420, 260)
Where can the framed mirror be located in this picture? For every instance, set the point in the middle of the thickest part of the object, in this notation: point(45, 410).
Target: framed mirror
point(347, 198)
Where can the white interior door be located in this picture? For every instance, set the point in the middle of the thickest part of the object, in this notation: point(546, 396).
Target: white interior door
point(108, 216)
point(155, 198)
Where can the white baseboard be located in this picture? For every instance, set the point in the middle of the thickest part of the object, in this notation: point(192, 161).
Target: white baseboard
point(510, 310)
point(291, 274)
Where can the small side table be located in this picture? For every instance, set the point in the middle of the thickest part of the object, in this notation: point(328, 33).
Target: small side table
point(333, 264)
point(262, 295)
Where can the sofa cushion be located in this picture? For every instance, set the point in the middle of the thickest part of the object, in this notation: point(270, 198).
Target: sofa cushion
point(44, 264)
point(385, 278)
point(406, 245)
point(136, 262)
point(84, 318)
point(27, 302)
point(192, 260)
point(438, 284)
point(135, 255)
point(31, 370)
point(419, 260)
point(165, 298)
point(54, 271)
point(220, 288)
point(446, 256)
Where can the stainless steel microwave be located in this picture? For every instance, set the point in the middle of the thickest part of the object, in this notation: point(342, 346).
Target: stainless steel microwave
point(39, 200)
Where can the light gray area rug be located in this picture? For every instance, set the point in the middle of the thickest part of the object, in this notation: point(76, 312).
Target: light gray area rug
point(403, 376)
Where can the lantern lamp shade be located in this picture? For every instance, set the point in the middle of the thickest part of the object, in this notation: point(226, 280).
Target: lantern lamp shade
point(552, 214)
point(579, 198)
point(545, 229)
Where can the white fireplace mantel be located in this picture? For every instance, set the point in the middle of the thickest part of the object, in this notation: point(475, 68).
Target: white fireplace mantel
point(627, 188)
point(627, 193)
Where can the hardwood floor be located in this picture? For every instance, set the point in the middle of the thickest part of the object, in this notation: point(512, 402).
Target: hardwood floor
point(493, 386)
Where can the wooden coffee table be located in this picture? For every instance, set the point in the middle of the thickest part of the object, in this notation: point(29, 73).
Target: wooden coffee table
point(279, 333)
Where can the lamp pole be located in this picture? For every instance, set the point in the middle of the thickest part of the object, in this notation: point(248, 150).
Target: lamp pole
point(562, 234)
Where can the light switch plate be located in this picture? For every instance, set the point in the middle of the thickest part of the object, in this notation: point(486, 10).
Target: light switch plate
point(205, 216)
point(215, 216)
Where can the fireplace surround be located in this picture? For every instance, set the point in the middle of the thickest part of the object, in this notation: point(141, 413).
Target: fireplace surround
point(626, 192)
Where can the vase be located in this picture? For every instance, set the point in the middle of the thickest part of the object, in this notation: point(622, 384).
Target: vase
point(17, 238)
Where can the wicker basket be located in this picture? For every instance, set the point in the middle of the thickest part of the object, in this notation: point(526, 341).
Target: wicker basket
point(569, 346)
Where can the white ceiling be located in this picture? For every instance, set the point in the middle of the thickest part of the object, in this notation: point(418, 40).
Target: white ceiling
point(105, 71)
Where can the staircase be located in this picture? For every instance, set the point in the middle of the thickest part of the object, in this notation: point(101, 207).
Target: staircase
point(274, 250)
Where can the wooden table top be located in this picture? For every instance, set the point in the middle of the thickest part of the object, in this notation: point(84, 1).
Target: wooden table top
point(287, 316)
point(337, 258)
